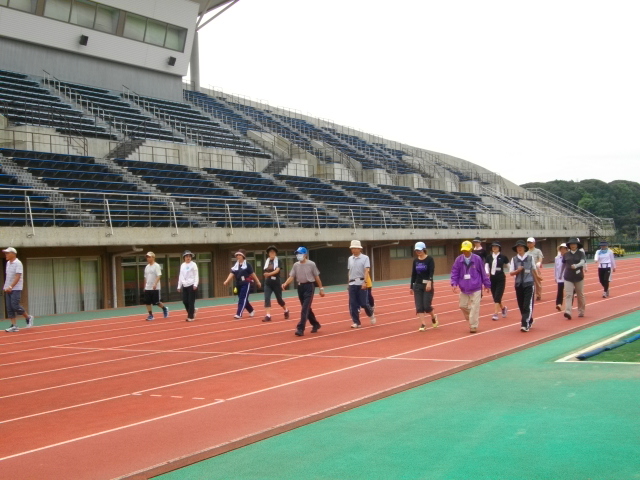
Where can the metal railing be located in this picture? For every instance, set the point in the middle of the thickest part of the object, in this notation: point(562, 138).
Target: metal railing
point(41, 142)
point(29, 207)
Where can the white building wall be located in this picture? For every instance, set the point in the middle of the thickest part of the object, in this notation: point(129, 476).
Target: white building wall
point(54, 34)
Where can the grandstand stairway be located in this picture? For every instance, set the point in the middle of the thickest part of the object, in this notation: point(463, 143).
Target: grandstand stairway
point(71, 213)
point(24, 101)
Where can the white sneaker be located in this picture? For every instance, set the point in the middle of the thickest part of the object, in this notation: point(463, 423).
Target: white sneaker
point(495, 317)
point(29, 321)
point(355, 325)
point(372, 319)
point(190, 319)
point(12, 328)
point(252, 313)
point(504, 312)
point(195, 312)
point(237, 317)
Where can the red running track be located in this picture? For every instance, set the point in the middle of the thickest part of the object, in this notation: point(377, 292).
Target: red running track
point(124, 397)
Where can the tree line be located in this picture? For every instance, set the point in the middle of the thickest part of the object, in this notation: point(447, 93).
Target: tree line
point(619, 200)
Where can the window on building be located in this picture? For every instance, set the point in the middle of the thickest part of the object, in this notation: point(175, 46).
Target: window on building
point(439, 251)
point(24, 5)
point(176, 38)
point(83, 13)
point(400, 252)
point(134, 26)
point(107, 19)
point(156, 32)
point(58, 9)
point(63, 285)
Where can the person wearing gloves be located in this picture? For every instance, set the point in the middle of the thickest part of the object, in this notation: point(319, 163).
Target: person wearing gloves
point(562, 249)
point(606, 261)
point(359, 267)
point(523, 267)
point(494, 267)
point(537, 256)
point(272, 283)
point(422, 285)
point(573, 273)
point(306, 273)
point(188, 284)
point(467, 278)
point(244, 276)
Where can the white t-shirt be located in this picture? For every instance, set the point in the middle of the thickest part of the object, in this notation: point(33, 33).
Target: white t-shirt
point(12, 269)
point(151, 274)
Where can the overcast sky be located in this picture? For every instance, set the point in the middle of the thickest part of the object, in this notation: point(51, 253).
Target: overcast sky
point(534, 91)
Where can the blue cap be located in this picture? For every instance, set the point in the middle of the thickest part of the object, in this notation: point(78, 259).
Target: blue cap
point(302, 250)
point(419, 246)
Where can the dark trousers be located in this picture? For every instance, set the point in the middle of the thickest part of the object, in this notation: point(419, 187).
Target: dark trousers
point(189, 300)
point(305, 294)
point(604, 274)
point(243, 298)
point(13, 303)
point(358, 298)
point(560, 294)
point(497, 287)
point(524, 295)
point(372, 302)
point(275, 287)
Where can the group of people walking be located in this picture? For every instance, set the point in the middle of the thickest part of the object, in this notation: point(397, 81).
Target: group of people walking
point(475, 271)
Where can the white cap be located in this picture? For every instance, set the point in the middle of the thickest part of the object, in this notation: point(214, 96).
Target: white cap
point(419, 246)
point(10, 250)
point(150, 254)
point(355, 244)
point(563, 245)
point(531, 239)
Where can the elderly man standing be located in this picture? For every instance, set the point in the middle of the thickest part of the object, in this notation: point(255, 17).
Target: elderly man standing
point(13, 282)
point(467, 278)
point(537, 256)
point(359, 267)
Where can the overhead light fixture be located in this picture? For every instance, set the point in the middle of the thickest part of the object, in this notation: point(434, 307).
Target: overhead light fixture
point(84, 40)
point(172, 61)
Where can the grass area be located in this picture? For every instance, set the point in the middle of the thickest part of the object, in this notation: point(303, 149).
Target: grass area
point(626, 353)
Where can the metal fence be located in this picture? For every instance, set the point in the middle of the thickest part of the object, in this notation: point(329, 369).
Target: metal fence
point(35, 207)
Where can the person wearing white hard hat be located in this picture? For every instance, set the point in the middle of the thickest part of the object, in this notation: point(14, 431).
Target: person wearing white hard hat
point(13, 282)
point(421, 286)
point(562, 249)
point(359, 268)
point(537, 256)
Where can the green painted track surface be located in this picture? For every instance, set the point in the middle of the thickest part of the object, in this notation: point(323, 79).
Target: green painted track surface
point(521, 416)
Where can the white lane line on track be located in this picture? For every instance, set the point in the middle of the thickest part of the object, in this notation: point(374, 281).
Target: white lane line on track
point(203, 406)
point(248, 351)
point(72, 440)
point(322, 307)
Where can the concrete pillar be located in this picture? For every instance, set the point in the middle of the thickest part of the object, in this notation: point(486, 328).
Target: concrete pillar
point(194, 64)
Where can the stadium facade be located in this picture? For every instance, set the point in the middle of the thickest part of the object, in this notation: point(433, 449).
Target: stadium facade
point(105, 154)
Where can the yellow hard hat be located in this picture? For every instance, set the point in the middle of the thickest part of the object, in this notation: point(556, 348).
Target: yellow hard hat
point(467, 246)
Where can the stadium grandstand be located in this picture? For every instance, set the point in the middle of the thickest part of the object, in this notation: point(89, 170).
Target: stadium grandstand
point(105, 153)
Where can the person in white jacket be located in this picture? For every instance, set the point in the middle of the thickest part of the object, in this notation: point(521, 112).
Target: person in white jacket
point(606, 261)
point(188, 284)
point(562, 249)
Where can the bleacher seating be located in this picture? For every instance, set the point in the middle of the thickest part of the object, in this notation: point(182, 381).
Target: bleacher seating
point(26, 102)
point(98, 192)
point(220, 111)
point(120, 114)
point(198, 127)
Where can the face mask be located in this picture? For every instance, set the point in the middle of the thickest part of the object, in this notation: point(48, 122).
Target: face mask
point(300, 257)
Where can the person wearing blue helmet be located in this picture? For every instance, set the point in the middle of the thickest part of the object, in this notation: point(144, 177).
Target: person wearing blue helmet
point(306, 273)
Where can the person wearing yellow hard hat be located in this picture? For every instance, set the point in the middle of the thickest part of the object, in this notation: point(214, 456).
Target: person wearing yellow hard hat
point(468, 279)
